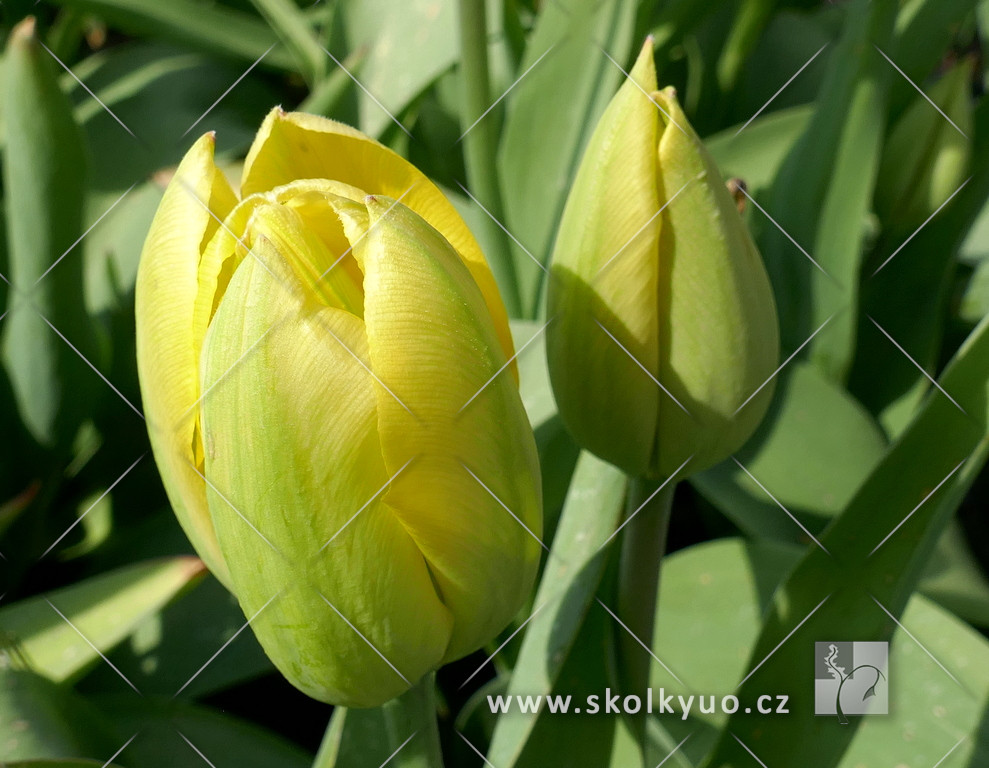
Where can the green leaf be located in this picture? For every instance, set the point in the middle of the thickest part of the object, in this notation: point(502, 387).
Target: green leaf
point(876, 552)
point(823, 194)
point(39, 719)
point(61, 764)
point(813, 451)
point(551, 112)
point(292, 28)
point(712, 598)
point(405, 47)
point(954, 579)
point(212, 29)
point(167, 730)
point(570, 578)
point(104, 609)
point(44, 181)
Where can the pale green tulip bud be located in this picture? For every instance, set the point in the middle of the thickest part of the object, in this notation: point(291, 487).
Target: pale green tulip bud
point(926, 157)
point(664, 330)
point(326, 383)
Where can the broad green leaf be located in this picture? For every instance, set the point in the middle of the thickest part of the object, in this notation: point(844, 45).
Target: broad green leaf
point(405, 47)
point(876, 550)
point(61, 764)
point(39, 719)
point(570, 578)
point(292, 28)
point(170, 652)
point(103, 609)
point(756, 153)
point(167, 729)
point(568, 80)
point(212, 29)
point(917, 274)
point(712, 599)
point(44, 180)
point(813, 451)
point(823, 193)
point(954, 580)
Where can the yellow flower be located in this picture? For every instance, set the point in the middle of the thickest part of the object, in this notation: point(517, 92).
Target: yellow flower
point(664, 319)
point(310, 359)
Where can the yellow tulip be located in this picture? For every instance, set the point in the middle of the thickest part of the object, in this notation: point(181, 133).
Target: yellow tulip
point(324, 370)
point(664, 324)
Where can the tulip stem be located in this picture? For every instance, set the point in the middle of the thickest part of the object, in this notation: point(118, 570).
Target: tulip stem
point(480, 139)
point(643, 546)
point(411, 724)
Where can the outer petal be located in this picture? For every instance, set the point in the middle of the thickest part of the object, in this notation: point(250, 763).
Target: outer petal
point(604, 281)
point(295, 145)
point(167, 354)
point(292, 451)
point(431, 358)
point(719, 340)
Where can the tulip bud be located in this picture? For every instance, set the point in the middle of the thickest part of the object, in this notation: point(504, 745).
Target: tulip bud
point(926, 157)
point(664, 320)
point(321, 378)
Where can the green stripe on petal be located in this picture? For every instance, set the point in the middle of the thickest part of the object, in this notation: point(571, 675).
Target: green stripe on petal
point(292, 451)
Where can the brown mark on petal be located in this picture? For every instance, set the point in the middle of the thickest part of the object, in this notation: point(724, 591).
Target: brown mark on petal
point(737, 188)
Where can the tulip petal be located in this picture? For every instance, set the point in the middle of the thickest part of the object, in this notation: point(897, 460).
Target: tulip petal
point(291, 432)
point(295, 145)
point(604, 282)
point(721, 339)
point(430, 358)
point(167, 354)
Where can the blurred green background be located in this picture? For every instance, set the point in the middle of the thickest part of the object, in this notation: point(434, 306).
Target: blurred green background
point(861, 132)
